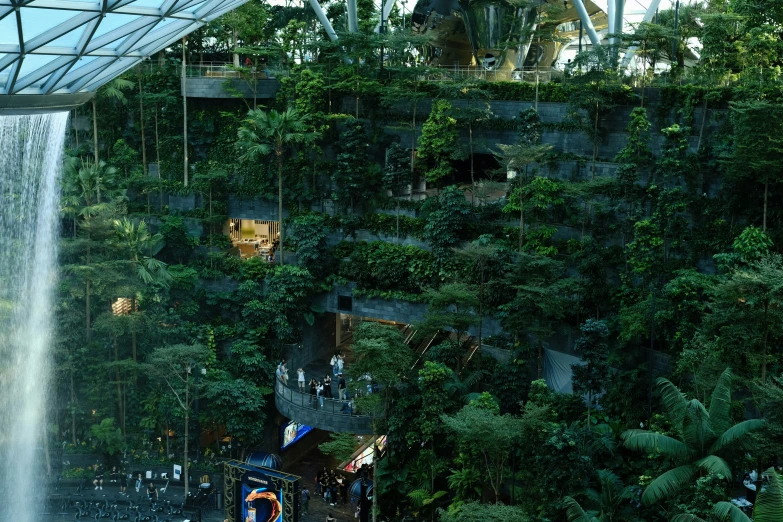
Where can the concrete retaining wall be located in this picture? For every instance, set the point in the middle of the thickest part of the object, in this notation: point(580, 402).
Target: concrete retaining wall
point(213, 88)
point(392, 310)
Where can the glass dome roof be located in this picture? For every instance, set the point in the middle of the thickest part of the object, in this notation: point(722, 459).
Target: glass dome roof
point(75, 46)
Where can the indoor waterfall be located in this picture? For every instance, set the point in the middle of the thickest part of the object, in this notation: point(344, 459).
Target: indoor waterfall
point(31, 149)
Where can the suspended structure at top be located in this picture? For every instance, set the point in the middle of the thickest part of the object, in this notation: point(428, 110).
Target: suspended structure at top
point(71, 47)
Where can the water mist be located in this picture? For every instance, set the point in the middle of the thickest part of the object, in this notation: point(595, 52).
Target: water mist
point(31, 149)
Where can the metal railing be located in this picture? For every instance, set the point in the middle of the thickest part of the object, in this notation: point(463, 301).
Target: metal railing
point(320, 404)
point(525, 74)
point(227, 70)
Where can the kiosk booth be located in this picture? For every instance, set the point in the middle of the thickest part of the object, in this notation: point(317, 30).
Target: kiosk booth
point(258, 494)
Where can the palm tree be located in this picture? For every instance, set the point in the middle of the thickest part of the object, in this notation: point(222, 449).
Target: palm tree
point(701, 435)
point(264, 133)
point(110, 91)
point(84, 185)
point(138, 243)
point(611, 503)
point(768, 508)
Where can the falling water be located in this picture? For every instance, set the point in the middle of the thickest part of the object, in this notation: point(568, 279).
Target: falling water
point(30, 160)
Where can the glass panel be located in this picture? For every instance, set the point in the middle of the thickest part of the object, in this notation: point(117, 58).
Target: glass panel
point(147, 3)
point(31, 62)
point(116, 43)
point(70, 39)
point(113, 21)
point(38, 21)
point(193, 9)
point(8, 30)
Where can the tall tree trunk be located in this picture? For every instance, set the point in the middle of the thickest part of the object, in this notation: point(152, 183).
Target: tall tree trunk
point(187, 419)
point(521, 221)
point(73, 406)
point(184, 115)
point(120, 411)
point(279, 154)
point(472, 178)
point(701, 128)
point(95, 129)
point(157, 160)
point(143, 139)
point(87, 292)
point(235, 41)
point(374, 483)
point(413, 141)
point(766, 194)
point(133, 329)
point(540, 360)
point(764, 349)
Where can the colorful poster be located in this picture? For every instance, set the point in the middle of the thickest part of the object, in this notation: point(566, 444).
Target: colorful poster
point(262, 504)
point(292, 432)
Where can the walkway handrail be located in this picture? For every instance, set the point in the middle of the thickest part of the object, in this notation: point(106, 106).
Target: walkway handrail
point(305, 400)
point(228, 70)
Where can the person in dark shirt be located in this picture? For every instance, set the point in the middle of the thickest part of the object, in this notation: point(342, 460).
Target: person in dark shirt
point(341, 387)
point(123, 481)
point(152, 492)
point(343, 488)
point(99, 472)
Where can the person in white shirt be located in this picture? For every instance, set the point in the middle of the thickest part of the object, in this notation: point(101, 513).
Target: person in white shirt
point(319, 391)
point(301, 379)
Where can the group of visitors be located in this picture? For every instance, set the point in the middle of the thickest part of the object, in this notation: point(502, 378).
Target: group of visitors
point(281, 373)
point(332, 486)
point(337, 363)
point(320, 390)
point(119, 476)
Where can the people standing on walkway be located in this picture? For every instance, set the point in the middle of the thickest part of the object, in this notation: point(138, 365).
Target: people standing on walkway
point(305, 500)
point(341, 387)
point(340, 363)
point(343, 488)
point(328, 387)
point(284, 372)
point(313, 386)
point(333, 489)
point(319, 390)
point(300, 379)
point(333, 364)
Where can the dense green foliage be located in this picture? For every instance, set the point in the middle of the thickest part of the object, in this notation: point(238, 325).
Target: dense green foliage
point(653, 253)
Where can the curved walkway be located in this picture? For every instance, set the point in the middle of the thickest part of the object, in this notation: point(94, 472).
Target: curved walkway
point(329, 414)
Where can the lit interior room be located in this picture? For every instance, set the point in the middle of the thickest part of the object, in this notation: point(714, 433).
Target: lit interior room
point(254, 237)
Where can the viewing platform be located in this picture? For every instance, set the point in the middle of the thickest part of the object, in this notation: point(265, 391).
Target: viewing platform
point(223, 80)
point(332, 416)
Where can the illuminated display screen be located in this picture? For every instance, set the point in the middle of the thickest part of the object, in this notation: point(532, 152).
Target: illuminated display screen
point(292, 432)
point(365, 457)
point(261, 504)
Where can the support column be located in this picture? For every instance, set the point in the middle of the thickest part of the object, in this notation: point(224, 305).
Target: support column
point(587, 23)
point(353, 17)
point(319, 12)
point(648, 16)
point(324, 21)
point(385, 12)
point(619, 11)
point(610, 18)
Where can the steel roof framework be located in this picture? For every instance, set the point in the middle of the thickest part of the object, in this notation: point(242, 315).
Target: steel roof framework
point(70, 46)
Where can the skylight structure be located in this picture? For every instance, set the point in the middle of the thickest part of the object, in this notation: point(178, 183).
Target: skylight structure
point(72, 47)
